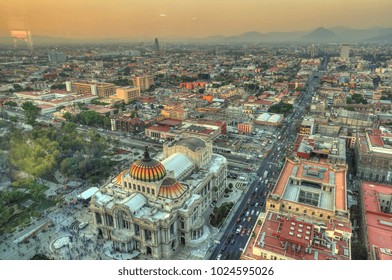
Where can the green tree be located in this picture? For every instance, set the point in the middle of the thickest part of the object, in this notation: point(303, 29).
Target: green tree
point(18, 87)
point(11, 103)
point(36, 157)
point(58, 86)
point(31, 112)
point(281, 108)
point(67, 116)
point(91, 118)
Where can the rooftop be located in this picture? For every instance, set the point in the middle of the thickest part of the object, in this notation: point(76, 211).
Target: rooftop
point(313, 176)
point(293, 238)
point(192, 143)
point(379, 224)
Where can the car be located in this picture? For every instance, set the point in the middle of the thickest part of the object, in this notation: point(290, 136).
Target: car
point(219, 257)
point(249, 230)
point(249, 218)
point(243, 232)
point(247, 213)
point(253, 211)
point(224, 248)
point(244, 220)
point(232, 241)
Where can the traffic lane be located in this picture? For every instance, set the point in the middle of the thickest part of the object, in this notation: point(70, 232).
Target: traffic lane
point(232, 224)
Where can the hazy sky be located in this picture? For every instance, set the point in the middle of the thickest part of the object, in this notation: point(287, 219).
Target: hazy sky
point(186, 18)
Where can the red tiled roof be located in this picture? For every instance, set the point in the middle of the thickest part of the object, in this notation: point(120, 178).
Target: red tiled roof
point(379, 225)
point(160, 128)
point(376, 140)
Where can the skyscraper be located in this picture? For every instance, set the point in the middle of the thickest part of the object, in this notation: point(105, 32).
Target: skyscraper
point(312, 51)
point(56, 57)
point(156, 46)
point(345, 52)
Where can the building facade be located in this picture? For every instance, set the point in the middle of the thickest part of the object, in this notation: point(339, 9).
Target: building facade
point(127, 94)
point(373, 156)
point(143, 82)
point(101, 89)
point(245, 128)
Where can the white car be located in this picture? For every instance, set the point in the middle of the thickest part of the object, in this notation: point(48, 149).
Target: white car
point(219, 257)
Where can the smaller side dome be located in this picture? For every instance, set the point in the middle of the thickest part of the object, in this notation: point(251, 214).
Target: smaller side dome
point(171, 188)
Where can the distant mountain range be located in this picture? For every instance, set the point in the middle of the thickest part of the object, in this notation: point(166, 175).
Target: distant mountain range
point(319, 35)
point(336, 34)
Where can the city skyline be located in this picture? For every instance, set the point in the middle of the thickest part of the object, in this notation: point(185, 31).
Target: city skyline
point(175, 19)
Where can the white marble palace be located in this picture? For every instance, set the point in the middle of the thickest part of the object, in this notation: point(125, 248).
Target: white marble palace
point(154, 207)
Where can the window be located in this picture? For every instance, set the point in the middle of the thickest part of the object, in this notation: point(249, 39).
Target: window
point(289, 207)
point(143, 189)
point(172, 228)
point(98, 218)
point(297, 209)
point(137, 229)
point(328, 217)
point(147, 234)
point(152, 191)
point(134, 186)
point(305, 211)
point(138, 188)
point(148, 190)
point(321, 215)
point(110, 221)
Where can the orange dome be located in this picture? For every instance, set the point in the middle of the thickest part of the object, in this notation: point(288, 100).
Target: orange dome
point(171, 188)
point(147, 169)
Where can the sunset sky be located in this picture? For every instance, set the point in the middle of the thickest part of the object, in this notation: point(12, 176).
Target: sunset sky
point(186, 18)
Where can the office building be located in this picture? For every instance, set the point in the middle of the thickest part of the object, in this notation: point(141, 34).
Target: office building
point(288, 237)
point(345, 52)
point(376, 201)
point(127, 94)
point(373, 155)
point(143, 82)
point(311, 189)
point(103, 90)
point(56, 57)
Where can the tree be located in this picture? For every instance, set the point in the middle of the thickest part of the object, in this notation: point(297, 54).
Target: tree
point(11, 103)
point(67, 116)
point(36, 157)
point(30, 111)
point(58, 86)
point(91, 118)
point(281, 108)
point(18, 87)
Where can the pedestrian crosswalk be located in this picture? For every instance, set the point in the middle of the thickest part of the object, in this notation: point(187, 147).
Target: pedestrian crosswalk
point(74, 225)
point(240, 184)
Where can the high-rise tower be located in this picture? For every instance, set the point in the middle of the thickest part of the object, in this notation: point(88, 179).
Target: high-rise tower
point(345, 52)
point(156, 46)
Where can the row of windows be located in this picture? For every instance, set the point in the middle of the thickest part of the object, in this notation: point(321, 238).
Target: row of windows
point(139, 188)
point(304, 211)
